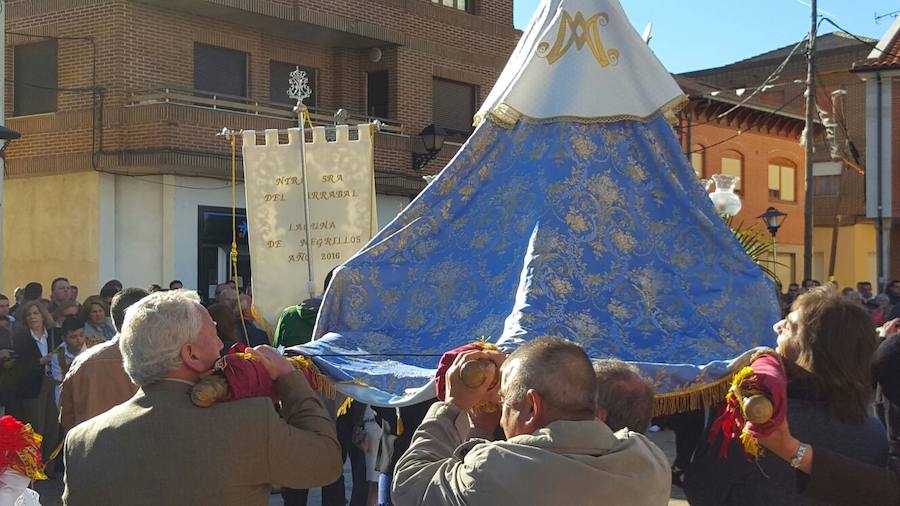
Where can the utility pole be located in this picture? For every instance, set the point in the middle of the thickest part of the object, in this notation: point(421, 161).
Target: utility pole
point(2, 122)
point(810, 143)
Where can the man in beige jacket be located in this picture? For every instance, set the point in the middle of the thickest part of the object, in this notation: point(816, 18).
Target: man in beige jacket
point(158, 448)
point(96, 381)
point(556, 452)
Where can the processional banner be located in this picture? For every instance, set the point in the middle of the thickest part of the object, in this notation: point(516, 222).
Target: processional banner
point(342, 216)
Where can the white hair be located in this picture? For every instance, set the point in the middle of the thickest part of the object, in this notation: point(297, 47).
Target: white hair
point(155, 330)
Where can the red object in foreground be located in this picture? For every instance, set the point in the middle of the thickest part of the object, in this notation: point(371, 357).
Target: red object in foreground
point(246, 377)
point(20, 449)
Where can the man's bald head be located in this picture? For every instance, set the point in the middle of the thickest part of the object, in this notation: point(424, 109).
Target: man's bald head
point(559, 370)
point(624, 397)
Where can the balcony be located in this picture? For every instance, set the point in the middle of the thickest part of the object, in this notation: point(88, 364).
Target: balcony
point(173, 131)
point(182, 97)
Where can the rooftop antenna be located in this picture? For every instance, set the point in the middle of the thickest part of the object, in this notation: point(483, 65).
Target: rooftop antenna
point(878, 17)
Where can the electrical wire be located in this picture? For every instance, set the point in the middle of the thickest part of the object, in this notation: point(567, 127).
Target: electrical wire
point(372, 354)
point(766, 85)
point(742, 132)
point(161, 183)
point(51, 88)
point(860, 40)
point(774, 75)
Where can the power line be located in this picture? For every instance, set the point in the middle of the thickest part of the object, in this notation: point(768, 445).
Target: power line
point(860, 40)
point(742, 132)
point(52, 88)
point(774, 75)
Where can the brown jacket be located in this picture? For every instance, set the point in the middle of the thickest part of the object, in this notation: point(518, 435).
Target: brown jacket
point(96, 382)
point(158, 448)
point(840, 480)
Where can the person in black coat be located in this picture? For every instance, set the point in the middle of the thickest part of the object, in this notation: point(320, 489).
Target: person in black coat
point(33, 345)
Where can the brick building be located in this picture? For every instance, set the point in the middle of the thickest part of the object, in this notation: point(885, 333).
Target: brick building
point(119, 174)
point(843, 236)
point(754, 140)
point(879, 69)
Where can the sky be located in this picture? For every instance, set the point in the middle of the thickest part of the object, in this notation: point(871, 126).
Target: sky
point(698, 34)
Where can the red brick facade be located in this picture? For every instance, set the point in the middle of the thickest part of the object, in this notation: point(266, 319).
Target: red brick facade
point(138, 46)
point(835, 54)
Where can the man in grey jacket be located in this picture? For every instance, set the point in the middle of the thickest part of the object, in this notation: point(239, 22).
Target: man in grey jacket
point(556, 452)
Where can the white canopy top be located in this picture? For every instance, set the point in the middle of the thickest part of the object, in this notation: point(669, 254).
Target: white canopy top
point(581, 60)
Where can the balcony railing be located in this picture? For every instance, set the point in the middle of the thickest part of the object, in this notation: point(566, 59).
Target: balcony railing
point(241, 105)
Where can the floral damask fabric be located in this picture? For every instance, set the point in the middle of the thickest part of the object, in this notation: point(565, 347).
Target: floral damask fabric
point(598, 233)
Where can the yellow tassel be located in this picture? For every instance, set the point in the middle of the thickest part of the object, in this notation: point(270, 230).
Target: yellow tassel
point(344, 407)
point(399, 424)
point(56, 452)
point(751, 444)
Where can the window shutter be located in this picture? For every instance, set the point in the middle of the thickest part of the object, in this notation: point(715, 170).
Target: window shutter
point(36, 78)
point(220, 70)
point(453, 106)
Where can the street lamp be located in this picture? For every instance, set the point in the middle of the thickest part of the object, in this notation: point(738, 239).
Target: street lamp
point(773, 218)
point(6, 135)
point(427, 145)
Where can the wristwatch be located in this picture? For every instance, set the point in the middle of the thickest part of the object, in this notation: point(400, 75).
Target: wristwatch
point(798, 457)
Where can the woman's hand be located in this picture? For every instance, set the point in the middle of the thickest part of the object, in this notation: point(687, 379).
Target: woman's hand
point(785, 446)
point(781, 442)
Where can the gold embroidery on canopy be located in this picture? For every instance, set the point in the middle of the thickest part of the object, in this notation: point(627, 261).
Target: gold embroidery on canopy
point(582, 32)
point(507, 116)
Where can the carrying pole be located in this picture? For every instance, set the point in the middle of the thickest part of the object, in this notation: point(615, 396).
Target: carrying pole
point(300, 91)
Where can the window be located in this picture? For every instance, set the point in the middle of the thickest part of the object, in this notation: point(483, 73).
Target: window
point(279, 77)
point(377, 94)
point(781, 181)
point(36, 78)
point(220, 71)
point(453, 106)
point(462, 5)
point(827, 185)
point(733, 165)
point(697, 157)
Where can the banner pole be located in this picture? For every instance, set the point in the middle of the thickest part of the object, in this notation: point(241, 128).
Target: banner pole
point(300, 90)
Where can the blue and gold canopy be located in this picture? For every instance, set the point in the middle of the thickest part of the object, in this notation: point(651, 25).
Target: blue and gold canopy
point(589, 228)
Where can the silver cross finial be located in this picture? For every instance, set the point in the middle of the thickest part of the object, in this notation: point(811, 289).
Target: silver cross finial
point(299, 86)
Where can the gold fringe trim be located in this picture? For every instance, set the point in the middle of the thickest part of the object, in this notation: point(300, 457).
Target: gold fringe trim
point(693, 398)
point(320, 382)
point(507, 116)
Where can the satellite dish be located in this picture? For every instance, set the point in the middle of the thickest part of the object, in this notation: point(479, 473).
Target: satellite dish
point(648, 33)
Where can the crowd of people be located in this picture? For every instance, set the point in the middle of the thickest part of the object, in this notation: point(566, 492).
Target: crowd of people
point(881, 307)
point(110, 376)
